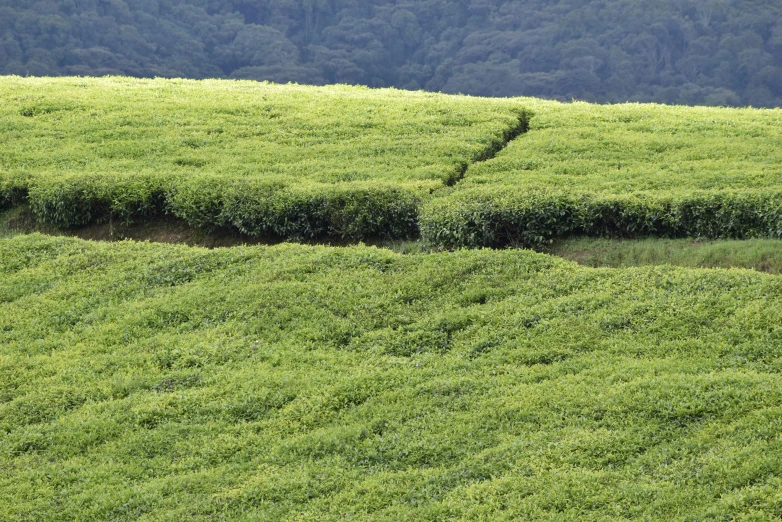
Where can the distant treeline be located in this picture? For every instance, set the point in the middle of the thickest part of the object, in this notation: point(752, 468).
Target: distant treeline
point(713, 52)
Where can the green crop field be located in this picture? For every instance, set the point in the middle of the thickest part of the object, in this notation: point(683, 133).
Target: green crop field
point(621, 170)
point(292, 161)
point(158, 382)
point(624, 148)
point(143, 381)
point(354, 163)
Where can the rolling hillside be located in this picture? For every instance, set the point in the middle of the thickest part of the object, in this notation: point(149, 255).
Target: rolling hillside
point(144, 381)
point(155, 382)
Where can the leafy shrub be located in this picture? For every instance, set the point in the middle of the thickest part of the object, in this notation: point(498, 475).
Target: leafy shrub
point(259, 207)
point(354, 163)
point(75, 200)
point(619, 171)
point(13, 190)
point(496, 217)
point(290, 161)
point(293, 382)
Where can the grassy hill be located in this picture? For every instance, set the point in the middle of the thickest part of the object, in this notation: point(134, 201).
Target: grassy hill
point(158, 382)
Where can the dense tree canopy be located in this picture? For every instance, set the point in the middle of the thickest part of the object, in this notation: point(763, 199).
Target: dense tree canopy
point(714, 52)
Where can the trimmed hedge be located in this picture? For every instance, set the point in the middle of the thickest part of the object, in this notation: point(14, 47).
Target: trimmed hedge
point(256, 207)
point(481, 217)
point(353, 163)
point(502, 217)
point(293, 161)
point(259, 207)
point(76, 200)
point(13, 190)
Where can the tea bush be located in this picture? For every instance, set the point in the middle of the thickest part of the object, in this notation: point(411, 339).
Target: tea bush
point(496, 217)
point(620, 170)
point(290, 160)
point(354, 163)
point(158, 382)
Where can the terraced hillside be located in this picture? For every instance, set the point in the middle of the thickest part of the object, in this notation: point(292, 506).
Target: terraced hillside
point(621, 170)
point(292, 161)
point(353, 163)
point(155, 382)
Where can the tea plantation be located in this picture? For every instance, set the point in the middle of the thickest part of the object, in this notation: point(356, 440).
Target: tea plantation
point(143, 381)
point(621, 170)
point(291, 161)
point(353, 163)
point(159, 382)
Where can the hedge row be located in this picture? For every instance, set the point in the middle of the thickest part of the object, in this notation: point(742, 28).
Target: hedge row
point(77, 200)
point(13, 190)
point(496, 217)
point(481, 217)
point(261, 207)
point(254, 207)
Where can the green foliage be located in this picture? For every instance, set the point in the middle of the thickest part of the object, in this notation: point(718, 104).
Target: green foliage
point(353, 163)
point(292, 161)
point(143, 381)
point(620, 170)
point(259, 208)
point(496, 218)
point(78, 199)
point(692, 52)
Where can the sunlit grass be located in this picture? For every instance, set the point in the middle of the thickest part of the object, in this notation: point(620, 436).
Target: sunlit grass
point(142, 381)
point(290, 160)
point(620, 171)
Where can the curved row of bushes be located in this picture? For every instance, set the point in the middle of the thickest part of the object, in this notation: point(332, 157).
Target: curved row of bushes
point(481, 217)
point(501, 217)
point(255, 207)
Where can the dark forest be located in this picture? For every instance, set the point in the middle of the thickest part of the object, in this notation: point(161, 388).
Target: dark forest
point(712, 52)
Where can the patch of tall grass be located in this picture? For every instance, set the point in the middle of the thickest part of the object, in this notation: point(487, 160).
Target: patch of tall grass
point(764, 255)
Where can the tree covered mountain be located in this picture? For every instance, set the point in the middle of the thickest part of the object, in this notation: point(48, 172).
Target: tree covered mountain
point(714, 52)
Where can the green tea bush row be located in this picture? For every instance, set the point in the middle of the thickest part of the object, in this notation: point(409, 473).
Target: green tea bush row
point(302, 162)
point(620, 171)
point(76, 200)
point(285, 160)
point(490, 216)
point(13, 191)
point(495, 217)
point(256, 207)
